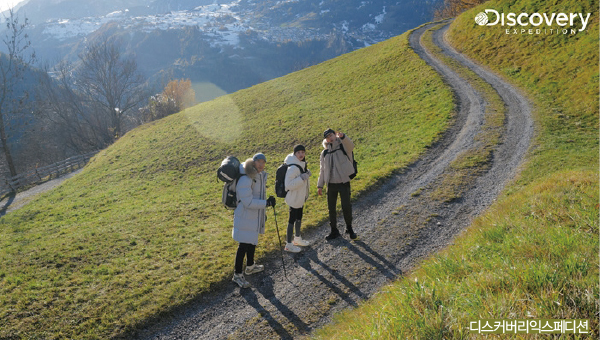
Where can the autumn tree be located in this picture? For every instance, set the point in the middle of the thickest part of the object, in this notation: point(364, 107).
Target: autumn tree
point(181, 93)
point(176, 96)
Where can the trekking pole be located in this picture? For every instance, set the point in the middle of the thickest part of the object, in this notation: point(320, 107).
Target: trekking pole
point(280, 246)
point(282, 260)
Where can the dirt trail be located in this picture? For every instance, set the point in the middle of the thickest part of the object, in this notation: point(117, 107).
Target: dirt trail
point(396, 230)
point(14, 202)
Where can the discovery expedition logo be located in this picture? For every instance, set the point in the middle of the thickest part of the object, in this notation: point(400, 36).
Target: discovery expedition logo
point(535, 23)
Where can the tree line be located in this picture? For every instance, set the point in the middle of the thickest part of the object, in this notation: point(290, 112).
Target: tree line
point(75, 106)
point(87, 104)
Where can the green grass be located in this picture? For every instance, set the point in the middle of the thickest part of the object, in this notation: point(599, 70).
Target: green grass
point(559, 72)
point(528, 257)
point(473, 162)
point(534, 254)
point(141, 231)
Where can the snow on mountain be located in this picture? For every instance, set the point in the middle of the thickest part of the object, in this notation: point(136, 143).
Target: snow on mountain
point(202, 17)
point(221, 22)
point(379, 18)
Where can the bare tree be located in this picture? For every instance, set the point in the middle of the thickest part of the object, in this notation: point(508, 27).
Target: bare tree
point(91, 100)
point(110, 83)
point(12, 72)
point(69, 116)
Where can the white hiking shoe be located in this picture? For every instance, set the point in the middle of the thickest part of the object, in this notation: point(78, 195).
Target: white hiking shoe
point(255, 268)
point(298, 241)
point(240, 280)
point(292, 248)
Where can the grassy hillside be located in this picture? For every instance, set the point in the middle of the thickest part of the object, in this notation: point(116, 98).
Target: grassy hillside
point(534, 254)
point(141, 229)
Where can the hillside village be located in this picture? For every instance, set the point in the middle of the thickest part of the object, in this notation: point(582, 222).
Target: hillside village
point(230, 44)
point(223, 22)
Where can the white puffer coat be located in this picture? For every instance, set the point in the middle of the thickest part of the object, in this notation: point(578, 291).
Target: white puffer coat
point(249, 216)
point(297, 187)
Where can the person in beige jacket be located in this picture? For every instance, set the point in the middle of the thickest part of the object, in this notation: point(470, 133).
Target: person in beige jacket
point(336, 168)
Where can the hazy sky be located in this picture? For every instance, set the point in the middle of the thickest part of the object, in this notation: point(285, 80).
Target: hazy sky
point(6, 4)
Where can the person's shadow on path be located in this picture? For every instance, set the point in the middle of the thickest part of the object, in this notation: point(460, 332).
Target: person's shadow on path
point(309, 260)
point(266, 290)
point(11, 199)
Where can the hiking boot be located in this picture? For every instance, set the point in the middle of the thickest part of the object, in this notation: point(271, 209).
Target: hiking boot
point(298, 241)
point(255, 268)
point(334, 234)
point(353, 235)
point(292, 248)
point(240, 280)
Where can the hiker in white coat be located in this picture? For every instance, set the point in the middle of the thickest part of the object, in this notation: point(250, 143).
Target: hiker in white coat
point(249, 215)
point(297, 186)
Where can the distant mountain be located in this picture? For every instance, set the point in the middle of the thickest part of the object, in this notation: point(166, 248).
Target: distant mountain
point(231, 44)
point(40, 11)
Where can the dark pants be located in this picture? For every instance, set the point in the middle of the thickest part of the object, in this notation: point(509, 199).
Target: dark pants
point(343, 189)
point(295, 220)
point(296, 215)
point(244, 250)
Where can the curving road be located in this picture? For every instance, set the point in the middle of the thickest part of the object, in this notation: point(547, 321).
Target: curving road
point(396, 228)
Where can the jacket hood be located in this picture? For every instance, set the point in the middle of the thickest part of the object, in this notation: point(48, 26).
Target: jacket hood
point(247, 168)
point(292, 159)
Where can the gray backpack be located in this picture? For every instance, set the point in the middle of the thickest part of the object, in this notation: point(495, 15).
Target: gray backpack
point(229, 172)
point(229, 198)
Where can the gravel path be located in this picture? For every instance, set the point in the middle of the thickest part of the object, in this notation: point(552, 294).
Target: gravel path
point(396, 229)
point(12, 203)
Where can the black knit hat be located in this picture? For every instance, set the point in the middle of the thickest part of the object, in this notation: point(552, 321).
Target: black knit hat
point(327, 132)
point(299, 147)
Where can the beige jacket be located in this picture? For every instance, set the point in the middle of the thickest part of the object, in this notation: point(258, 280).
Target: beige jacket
point(335, 166)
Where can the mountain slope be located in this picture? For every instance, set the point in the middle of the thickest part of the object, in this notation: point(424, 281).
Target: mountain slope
point(141, 230)
point(231, 44)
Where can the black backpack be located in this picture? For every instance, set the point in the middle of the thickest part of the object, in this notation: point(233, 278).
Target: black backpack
point(229, 172)
point(354, 163)
point(280, 179)
point(229, 169)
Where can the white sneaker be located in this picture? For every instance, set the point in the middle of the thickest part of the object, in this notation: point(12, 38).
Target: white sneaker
point(298, 241)
point(292, 248)
point(255, 268)
point(240, 280)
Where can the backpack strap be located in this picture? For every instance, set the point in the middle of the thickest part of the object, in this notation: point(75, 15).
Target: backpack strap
point(326, 151)
point(344, 151)
point(299, 167)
